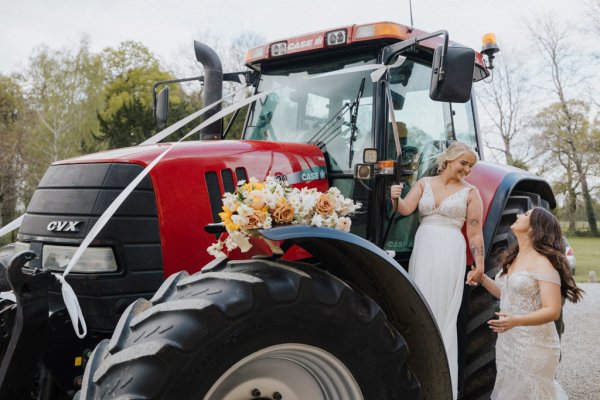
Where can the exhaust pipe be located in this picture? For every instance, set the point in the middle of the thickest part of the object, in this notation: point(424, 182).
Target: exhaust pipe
point(213, 88)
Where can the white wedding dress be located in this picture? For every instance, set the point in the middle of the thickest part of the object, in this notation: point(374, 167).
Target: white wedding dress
point(526, 356)
point(438, 264)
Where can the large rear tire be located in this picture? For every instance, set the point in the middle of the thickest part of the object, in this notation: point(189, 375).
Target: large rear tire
point(249, 330)
point(480, 354)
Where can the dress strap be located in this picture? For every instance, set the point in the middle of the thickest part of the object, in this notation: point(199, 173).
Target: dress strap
point(552, 278)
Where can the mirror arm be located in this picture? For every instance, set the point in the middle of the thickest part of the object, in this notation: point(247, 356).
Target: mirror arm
point(249, 76)
point(393, 50)
point(160, 83)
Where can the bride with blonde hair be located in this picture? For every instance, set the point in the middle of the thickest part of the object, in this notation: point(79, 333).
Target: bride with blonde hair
point(439, 258)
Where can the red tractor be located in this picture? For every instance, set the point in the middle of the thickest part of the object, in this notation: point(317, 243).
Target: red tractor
point(336, 316)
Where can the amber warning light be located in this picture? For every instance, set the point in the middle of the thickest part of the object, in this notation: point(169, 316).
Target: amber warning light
point(490, 48)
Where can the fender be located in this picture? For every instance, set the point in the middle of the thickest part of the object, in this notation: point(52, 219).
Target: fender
point(495, 183)
point(371, 270)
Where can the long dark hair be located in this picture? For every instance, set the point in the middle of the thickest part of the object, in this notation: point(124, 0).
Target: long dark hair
point(547, 239)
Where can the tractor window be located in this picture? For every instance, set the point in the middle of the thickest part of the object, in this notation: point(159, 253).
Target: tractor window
point(314, 104)
point(424, 126)
point(464, 123)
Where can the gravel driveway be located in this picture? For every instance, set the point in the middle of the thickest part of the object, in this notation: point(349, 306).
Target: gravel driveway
point(579, 369)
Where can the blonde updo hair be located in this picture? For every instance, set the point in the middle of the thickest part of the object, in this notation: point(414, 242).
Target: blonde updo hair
point(455, 150)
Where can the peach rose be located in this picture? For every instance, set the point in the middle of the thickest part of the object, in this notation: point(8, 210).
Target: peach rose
point(254, 220)
point(324, 205)
point(257, 199)
point(283, 214)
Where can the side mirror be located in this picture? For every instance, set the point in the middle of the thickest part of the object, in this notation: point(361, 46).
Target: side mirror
point(162, 106)
point(452, 75)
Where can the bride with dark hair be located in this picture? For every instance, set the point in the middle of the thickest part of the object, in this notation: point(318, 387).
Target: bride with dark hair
point(534, 279)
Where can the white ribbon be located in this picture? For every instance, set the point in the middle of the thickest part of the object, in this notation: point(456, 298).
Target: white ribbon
point(173, 128)
point(376, 75)
point(11, 226)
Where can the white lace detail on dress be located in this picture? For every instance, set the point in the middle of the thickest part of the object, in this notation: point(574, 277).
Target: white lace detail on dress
point(451, 212)
point(526, 356)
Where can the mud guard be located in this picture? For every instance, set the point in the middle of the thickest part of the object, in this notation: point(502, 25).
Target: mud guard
point(371, 270)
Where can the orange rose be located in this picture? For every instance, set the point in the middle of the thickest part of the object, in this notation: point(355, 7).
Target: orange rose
point(324, 205)
point(283, 214)
point(253, 220)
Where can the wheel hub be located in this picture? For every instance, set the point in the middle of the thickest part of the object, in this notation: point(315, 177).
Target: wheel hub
point(289, 371)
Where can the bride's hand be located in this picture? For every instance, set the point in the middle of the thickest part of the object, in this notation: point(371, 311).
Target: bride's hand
point(396, 191)
point(475, 276)
point(506, 322)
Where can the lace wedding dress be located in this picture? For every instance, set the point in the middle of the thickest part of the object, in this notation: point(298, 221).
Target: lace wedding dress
point(526, 356)
point(438, 264)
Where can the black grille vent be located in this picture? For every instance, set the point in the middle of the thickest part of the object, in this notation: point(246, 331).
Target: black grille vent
point(214, 194)
point(228, 184)
point(240, 174)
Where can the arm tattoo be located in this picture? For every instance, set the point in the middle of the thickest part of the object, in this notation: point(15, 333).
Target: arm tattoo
point(476, 250)
point(474, 222)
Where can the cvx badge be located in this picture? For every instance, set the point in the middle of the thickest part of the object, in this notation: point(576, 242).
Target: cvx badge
point(63, 226)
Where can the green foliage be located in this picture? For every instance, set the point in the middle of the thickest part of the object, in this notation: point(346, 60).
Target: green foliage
point(14, 130)
point(127, 118)
point(587, 255)
point(571, 137)
point(64, 91)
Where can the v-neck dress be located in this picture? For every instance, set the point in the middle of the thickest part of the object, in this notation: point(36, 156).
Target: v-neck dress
point(438, 263)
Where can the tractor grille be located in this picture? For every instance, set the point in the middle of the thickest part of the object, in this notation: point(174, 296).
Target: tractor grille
point(79, 194)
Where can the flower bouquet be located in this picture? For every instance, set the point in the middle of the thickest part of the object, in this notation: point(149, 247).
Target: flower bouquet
point(261, 205)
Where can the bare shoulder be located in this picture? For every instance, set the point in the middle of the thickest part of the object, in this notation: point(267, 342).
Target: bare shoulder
point(421, 182)
point(474, 194)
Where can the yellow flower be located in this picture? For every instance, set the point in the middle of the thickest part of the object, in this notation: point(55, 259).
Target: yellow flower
point(226, 218)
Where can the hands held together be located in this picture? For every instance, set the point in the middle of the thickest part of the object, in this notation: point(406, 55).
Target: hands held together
point(475, 276)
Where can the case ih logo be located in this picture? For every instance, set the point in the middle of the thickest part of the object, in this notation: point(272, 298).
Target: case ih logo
point(63, 226)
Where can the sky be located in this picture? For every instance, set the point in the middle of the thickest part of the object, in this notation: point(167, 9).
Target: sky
point(166, 27)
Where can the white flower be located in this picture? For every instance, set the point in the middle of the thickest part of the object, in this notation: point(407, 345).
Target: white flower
point(239, 220)
point(343, 224)
point(317, 220)
point(241, 241)
point(268, 222)
point(229, 201)
point(271, 200)
point(245, 211)
point(334, 191)
point(215, 250)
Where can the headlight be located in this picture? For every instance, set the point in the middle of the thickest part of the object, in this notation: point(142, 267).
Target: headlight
point(93, 260)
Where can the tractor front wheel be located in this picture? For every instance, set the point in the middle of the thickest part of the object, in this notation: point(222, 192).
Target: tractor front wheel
point(254, 329)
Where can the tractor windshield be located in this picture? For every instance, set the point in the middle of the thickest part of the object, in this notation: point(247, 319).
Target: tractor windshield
point(316, 104)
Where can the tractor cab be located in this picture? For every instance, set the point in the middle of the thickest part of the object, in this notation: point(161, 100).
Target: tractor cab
point(370, 97)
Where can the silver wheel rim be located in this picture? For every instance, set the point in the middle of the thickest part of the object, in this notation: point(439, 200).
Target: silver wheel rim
point(289, 371)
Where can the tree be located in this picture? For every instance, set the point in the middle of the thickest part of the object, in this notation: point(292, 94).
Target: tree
point(565, 124)
point(568, 140)
point(127, 118)
point(503, 101)
point(15, 125)
point(63, 90)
